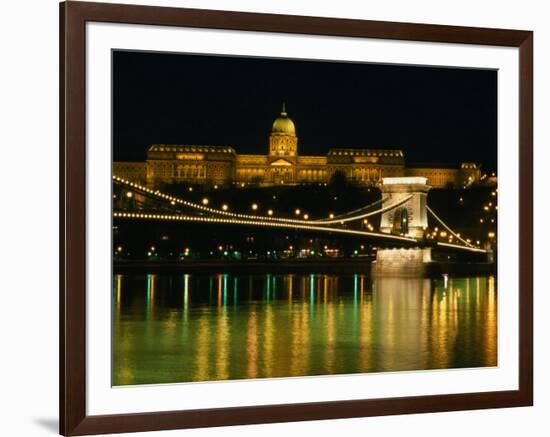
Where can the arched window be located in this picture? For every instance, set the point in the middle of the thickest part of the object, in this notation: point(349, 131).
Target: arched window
point(401, 221)
point(404, 221)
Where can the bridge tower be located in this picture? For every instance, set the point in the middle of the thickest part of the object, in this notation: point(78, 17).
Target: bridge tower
point(411, 217)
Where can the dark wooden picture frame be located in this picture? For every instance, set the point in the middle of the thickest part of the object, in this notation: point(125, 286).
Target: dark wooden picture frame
point(73, 18)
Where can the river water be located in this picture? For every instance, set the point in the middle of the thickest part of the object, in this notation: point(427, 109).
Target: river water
point(196, 327)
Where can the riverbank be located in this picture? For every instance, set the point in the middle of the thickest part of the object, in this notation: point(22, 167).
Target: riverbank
point(343, 265)
point(332, 265)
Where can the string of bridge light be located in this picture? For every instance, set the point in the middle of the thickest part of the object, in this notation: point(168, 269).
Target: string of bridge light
point(355, 211)
point(174, 217)
point(368, 214)
point(331, 220)
point(174, 200)
point(448, 228)
point(458, 246)
point(256, 222)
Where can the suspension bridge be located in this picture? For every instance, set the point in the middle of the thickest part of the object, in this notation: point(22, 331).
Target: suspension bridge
point(403, 209)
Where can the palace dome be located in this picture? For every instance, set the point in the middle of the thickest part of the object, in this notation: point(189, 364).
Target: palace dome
point(283, 125)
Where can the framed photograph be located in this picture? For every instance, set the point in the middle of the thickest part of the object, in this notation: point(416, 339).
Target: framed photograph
point(270, 218)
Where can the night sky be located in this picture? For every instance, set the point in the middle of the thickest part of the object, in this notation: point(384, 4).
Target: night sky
point(436, 115)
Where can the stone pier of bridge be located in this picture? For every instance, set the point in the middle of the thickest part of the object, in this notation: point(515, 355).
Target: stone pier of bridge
point(408, 219)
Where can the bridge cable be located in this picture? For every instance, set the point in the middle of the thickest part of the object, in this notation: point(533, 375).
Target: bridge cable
point(368, 214)
point(231, 221)
point(167, 197)
point(447, 227)
point(158, 194)
point(355, 211)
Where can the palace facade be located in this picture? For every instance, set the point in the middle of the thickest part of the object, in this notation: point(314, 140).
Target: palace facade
point(222, 165)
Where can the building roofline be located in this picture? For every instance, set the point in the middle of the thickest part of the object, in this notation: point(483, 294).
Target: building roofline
point(198, 148)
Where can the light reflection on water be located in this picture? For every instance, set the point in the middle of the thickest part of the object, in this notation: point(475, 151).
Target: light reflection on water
point(178, 328)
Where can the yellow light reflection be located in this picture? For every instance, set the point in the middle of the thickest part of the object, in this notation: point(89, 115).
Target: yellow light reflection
point(202, 350)
point(118, 290)
point(491, 333)
point(269, 335)
point(222, 344)
point(220, 286)
point(252, 344)
point(185, 295)
point(365, 333)
point(330, 340)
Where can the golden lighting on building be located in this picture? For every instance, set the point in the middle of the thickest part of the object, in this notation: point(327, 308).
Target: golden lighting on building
point(205, 201)
point(190, 156)
point(200, 164)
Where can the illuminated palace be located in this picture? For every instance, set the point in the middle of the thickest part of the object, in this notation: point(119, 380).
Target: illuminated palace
point(222, 165)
